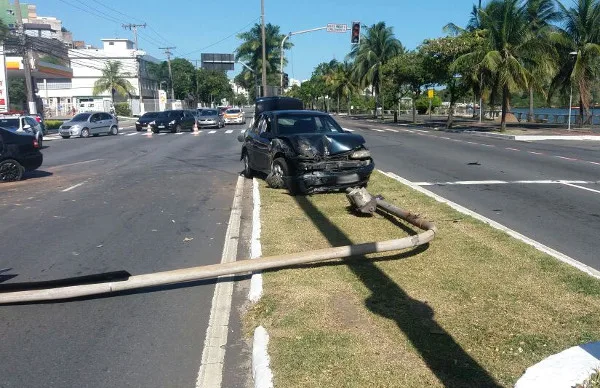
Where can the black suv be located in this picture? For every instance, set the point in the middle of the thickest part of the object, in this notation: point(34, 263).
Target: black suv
point(174, 121)
point(305, 151)
point(18, 153)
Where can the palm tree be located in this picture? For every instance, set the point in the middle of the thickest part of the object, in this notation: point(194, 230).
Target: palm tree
point(113, 80)
point(377, 46)
point(341, 83)
point(579, 48)
point(509, 44)
point(250, 52)
point(539, 15)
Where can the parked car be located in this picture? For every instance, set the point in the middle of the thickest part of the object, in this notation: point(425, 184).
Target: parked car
point(173, 121)
point(89, 124)
point(22, 123)
point(305, 151)
point(234, 116)
point(211, 118)
point(144, 120)
point(19, 152)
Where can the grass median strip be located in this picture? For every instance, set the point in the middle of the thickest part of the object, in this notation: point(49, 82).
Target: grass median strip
point(474, 308)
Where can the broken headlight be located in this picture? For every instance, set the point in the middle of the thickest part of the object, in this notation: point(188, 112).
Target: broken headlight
point(361, 154)
point(306, 149)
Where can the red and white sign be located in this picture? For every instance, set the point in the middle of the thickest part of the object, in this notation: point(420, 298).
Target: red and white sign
point(334, 27)
point(3, 88)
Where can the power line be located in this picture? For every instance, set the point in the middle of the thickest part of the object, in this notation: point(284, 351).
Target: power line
point(222, 40)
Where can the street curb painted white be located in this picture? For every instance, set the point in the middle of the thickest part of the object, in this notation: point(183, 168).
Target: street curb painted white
point(534, 137)
point(565, 369)
point(263, 377)
point(210, 373)
point(539, 246)
point(255, 247)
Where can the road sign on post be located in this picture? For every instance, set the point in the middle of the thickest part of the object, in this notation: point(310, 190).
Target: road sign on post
point(334, 27)
point(430, 93)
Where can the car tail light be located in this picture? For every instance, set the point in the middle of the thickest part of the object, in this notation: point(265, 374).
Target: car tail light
point(35, 143)
point(38, 119)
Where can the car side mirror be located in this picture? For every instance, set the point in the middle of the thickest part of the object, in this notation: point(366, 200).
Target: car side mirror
point(26, 127)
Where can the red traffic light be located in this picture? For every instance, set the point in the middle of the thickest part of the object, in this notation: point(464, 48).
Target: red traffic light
point(355, 37)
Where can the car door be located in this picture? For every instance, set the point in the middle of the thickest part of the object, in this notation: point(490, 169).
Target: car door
point(189, 120)
point(251, 139)
point(263, 144)
point(107, 121)
point(96, 124)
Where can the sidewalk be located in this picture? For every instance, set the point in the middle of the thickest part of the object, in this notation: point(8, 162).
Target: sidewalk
point(515, 131)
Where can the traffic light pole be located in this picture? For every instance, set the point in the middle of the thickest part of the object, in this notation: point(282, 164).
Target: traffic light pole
point(283, 42)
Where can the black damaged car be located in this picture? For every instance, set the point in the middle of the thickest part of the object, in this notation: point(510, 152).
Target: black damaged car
point(18, 153)
point(305, 151)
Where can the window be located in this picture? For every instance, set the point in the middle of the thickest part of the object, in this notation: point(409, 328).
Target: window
point(106, 116)
point(290, 124)
point(31, 122)
point(81, 117)
point(111, 43)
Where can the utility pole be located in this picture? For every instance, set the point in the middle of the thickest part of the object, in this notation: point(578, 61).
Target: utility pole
point(134, 27)
point(264, 48)
point(169, 53)
point(26, 59)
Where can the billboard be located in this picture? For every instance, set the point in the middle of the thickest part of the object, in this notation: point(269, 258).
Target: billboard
point(221, 62)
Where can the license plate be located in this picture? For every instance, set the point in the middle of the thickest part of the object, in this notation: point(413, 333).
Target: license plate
point(161, 126)
point(351, 178)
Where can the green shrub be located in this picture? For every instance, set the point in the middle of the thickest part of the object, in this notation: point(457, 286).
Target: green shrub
point(422, 103)
point(123, 109)
point(53, 124)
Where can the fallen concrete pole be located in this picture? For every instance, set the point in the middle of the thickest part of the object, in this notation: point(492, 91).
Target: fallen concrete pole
point(239, 267)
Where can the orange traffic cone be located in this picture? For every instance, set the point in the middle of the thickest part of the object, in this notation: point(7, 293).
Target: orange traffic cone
point(195, 126)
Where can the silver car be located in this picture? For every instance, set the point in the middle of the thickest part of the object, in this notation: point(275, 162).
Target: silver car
point(210, 118)
point(89, 124)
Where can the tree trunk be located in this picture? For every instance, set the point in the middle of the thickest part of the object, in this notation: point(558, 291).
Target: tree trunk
point(530, 114)
point(338, 98)
point(414, 108)
point(450, 115)
point(505, 97)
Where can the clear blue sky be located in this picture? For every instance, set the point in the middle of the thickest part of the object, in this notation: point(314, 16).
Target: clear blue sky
point(192, 26)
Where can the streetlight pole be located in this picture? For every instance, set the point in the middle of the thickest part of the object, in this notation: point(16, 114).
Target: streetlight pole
point(255, 77)
point(264, 48)
point(26, 59)
point(282, 44)
point(574, 53)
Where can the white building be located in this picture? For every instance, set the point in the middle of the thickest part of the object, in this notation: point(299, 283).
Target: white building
point(238, 89)
point(60, 96)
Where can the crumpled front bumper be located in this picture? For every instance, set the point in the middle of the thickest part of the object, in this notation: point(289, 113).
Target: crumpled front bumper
point(330, 176)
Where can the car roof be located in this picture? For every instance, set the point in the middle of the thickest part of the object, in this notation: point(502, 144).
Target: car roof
point(298, 112)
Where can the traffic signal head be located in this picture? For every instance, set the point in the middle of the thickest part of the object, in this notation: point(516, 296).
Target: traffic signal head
point(355, 37)
point(286, 80)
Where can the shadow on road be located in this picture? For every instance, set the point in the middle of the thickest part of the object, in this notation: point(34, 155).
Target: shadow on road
point(443, 355)
point(35, 174)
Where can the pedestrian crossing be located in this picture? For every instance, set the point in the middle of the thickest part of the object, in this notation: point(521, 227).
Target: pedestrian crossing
point(151, 134)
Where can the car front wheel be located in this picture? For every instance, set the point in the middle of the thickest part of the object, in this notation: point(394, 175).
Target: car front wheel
point(85, 132)
point(10, 170)
point(280, 173)
point(114, 130)
point(247, 170)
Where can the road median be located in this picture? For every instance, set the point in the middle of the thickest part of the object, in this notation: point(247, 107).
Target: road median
point(474, 308)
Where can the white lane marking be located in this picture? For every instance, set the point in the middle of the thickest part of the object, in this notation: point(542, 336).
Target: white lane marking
point(212, 132)
point(493, 182)
point(76, 163)
point(596, 163)
point(131, 134)
point(229, 131)
point(535, 152)
point(565, 158)
point(255, 292)
point(162, 134)
point(421, 130)
point(487, 145)
point(242, 130)
point(377, 130)
point(539, 246)
point(581, 187)
point(179, 133)
point(511, 149)
point(391, 130)
point(345, 129)
point(73, 187)
point(210, 373)
point(472, 142)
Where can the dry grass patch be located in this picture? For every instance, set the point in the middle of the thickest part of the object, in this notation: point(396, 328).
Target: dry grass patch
point(475, 308)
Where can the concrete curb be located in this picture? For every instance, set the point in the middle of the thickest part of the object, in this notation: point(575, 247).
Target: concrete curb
point(535, 137)
point(537, 245)
point(256, 290)
point(565, 369)
point(263, 377)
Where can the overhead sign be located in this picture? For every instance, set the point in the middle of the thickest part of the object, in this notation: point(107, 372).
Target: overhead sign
point(223, 62)
point(3, 88)
point(334, 27)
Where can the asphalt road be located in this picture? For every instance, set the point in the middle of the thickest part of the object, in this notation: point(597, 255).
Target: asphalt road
point(462, 167)
point(134, 202)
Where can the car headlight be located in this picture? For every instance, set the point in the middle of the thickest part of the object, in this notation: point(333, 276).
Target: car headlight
point(137, 122)
point(172, 122)
point(361, 154)
point(152, 122)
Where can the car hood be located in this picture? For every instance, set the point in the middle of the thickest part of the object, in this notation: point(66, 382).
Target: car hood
point(208, 117)
point(324, 144)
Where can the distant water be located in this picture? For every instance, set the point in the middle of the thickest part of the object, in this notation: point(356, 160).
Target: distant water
point(557, 111)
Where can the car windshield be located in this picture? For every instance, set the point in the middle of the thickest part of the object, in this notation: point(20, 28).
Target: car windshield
point(81, 117)
point(233, 111)
point(149, 115)
point(166, 114)
point(9, 123)
point(290, 124)
point(209, 112)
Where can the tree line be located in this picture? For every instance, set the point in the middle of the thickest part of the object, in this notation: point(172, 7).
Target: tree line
point(508, 48)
